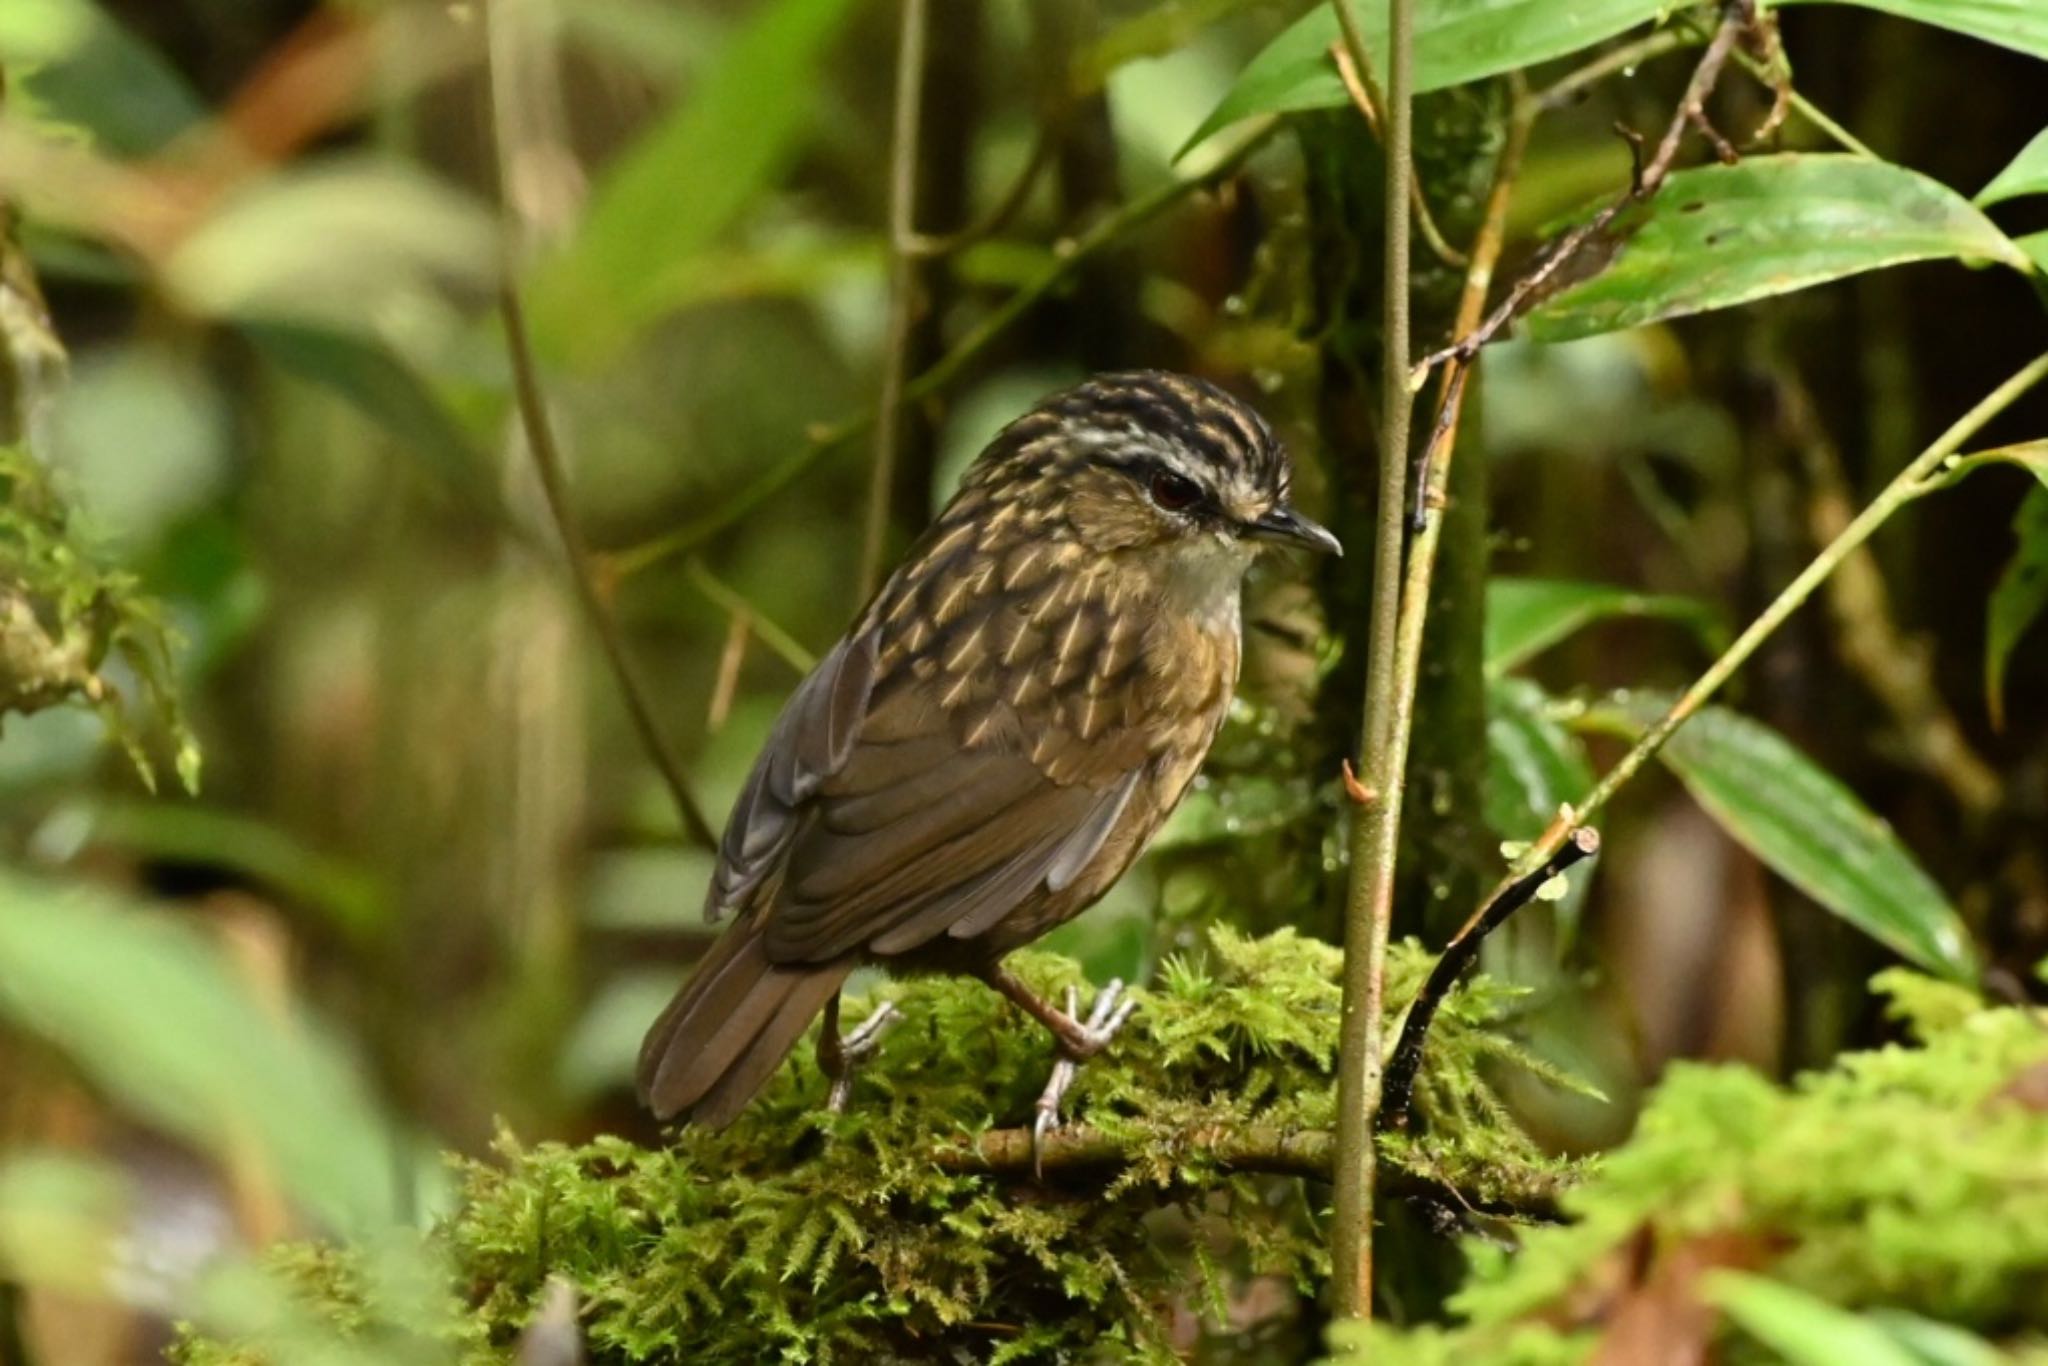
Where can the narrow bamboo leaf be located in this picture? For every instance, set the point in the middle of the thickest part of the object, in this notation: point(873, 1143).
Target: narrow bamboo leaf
point(2018, 600)
point(154, 1014)
point(1810, 829)
point(1525, 617)
point(1455, 41)
point(673, 192)
point(1801, 1329)
point(2026, 174)
point(1718, 236)
point(1533, 765)
point(2021, 25)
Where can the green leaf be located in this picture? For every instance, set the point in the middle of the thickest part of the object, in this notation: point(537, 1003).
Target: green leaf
point(368, 375)
point(158, 1018)
point(671, 194)
point(2031, 456)
point(1533, 766)
point(1717, 236)
point(2021, 25)
point(1525, 617)
point(343, 241)
point(2018, 599)
point(1807, 827)
point(1455, 41)
point(2027, 174)
point(2034, 246)
point(1802, 1329)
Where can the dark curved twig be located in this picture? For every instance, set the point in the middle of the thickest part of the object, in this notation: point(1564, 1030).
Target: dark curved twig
point(1398, 1093)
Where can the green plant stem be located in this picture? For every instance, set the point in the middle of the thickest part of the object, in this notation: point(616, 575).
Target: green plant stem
point(904, 142)
point(547, 461)
point(1906, 485)
point(1369, 904)
point(1069, 256)
point(780, 642)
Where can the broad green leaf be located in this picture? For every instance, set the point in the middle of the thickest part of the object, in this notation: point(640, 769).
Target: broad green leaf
point(1934, 1343)
point(670, 195)
point(2021, 25)
point(1533, 766)
point(81, 68)
point(342, 241)
point(1455, 41)
point(1717, 236)
point(370, 377)
point(149, 1009)
point(2018, 600)
point(1525, 617)
point(2026, 174)
point(1165, 28)
point(352, 900)
point(1801, 1329)
point(1807, 827)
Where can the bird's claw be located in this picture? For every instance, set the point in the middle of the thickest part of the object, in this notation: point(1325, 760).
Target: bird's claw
point(855, 1045)
point(1108, 1014)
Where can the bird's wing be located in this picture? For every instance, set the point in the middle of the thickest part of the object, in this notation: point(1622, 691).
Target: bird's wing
point(920, 835)
point(812, 739)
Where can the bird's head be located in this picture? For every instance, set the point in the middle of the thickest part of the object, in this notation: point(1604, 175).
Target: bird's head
point(1147, 460)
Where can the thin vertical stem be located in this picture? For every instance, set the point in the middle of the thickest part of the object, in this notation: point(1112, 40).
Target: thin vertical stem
point(1369, 905)
point(903, 248)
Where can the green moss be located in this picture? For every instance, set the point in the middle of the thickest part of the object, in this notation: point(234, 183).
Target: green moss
point(1908, 1178)
point(798, 1235)
point(62, 614)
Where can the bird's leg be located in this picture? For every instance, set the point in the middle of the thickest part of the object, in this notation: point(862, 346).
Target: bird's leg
point(1079, 1039)
point(838, 1054)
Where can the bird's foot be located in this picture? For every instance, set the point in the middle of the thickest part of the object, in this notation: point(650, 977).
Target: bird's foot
point(839, 1054)
point(1079, 1040)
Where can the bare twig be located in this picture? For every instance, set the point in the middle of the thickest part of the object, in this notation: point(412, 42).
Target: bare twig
point(1736, 17)
point(1069, 255)
point(1619, 61)
point(904, 142)
point(1369, 901)
point(547, 460)
point(1580, 842)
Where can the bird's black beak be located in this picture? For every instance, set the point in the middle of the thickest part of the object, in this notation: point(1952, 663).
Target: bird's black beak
point(1288, 527)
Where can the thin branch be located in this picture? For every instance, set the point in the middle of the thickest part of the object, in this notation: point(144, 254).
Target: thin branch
point(1895, 668)
point(1366, 98)
point(547, 460)
point(1369, 902)
point(1905, 486)
point(1267, 1149)
point(785, 646)
point(1580, 842)
point(1736, 17)
point(903, 161)
point(1069, 255)
point(925, 245)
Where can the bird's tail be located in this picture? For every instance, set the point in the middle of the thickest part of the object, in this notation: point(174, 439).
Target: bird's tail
point(729, 1027)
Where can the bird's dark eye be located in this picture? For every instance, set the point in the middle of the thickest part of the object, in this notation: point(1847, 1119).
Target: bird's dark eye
point(1174, 492)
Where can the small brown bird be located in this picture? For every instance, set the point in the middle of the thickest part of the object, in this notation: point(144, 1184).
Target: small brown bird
point(998, 737)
